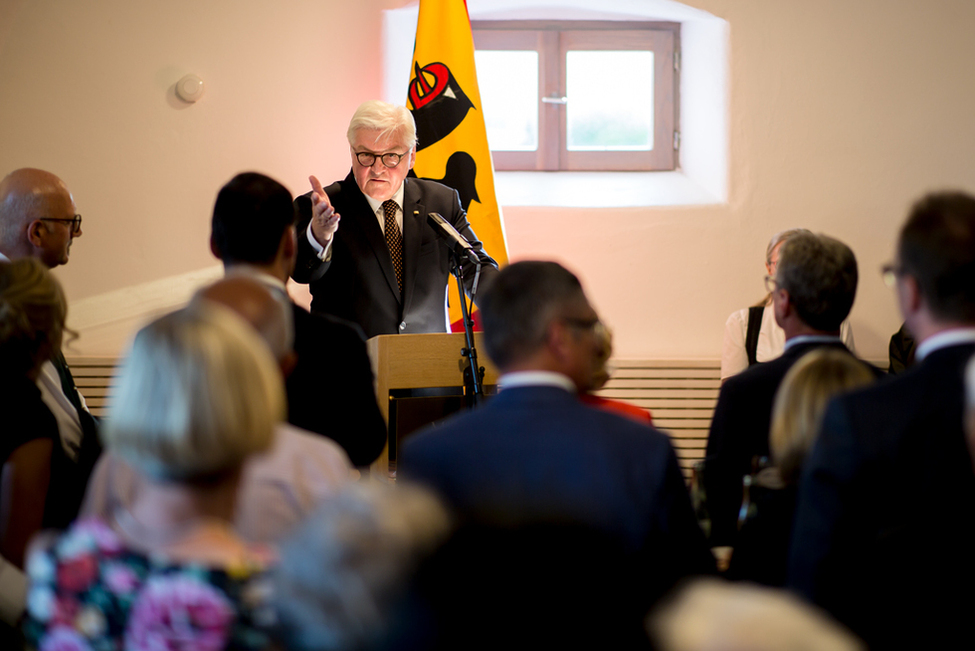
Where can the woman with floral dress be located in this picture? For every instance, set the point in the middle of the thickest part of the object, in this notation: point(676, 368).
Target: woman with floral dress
point(197, 395)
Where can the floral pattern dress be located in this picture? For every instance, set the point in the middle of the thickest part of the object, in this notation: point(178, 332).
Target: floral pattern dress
point(88, 593)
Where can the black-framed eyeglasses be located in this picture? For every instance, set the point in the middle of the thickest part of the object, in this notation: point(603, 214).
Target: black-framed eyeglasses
point(74, 221)
point(890, 272)
point(389, 159)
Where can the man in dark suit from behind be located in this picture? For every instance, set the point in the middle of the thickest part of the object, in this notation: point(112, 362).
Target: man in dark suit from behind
point(330, 390)
point(886, 514)
point(535, 455)
point(812, 293)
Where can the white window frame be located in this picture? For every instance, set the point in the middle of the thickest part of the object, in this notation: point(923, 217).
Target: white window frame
point(552, 39)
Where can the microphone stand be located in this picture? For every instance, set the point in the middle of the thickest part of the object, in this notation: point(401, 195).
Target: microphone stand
point(473, 374)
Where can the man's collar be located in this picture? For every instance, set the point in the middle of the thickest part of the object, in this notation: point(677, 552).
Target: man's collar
point(259, 275)
point(4, 258)
point(944, 339)
point(377, 205)
point(535, 379)
point(811, 339)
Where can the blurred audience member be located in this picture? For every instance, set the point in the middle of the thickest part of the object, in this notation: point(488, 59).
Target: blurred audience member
point(198, 394)
point(543, 585)
point(330, 389)
point(812, 293)
point(601, 376)
point(762, 548)
point(886, 512)
point(344, 580)
point(751, 335)
point(708, 615)
point(278, 487)
point(534, 454)
point(32, 311)
point(38, 219)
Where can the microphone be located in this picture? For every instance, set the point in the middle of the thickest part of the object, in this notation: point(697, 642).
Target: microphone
point(453, 238)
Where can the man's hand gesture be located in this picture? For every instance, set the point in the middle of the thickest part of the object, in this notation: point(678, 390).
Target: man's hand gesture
point(324, 219)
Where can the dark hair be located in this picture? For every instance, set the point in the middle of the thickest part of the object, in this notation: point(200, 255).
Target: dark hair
point(250, 216)
point(937, 248)
point(518, 306)
point(820, 274)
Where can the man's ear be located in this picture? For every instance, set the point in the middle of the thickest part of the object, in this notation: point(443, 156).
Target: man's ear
point(214, 249)
point(908, 295)
point(557, 339)
point(781, 305)
point(35, 233)
point(288, 248)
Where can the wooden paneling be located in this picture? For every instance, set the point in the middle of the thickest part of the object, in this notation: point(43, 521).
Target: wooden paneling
point(680, 394)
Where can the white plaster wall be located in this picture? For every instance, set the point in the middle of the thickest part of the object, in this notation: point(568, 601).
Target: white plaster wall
point(842, 112)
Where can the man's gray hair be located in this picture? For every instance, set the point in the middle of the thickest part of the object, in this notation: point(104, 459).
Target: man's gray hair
point(780, 238)
point(344, 572)
point(820, 274)
point(394, 122)
point(520, 303)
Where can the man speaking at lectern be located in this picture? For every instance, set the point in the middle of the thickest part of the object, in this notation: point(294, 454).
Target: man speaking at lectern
point(384, 267)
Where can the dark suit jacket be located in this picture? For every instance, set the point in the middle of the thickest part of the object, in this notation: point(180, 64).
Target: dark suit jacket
point(359, 283)
point(69, 477)
point(330, 390)
point(740, 431)
point(886, 514)
point(538, 455)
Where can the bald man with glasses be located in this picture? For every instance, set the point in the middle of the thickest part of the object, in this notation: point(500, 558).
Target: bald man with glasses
point(38, 219)
point(384, 268)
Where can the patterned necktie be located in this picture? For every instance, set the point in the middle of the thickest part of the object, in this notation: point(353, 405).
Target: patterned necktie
point(394, 239)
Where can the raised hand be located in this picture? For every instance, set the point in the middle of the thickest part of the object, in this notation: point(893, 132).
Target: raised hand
point(324, 219)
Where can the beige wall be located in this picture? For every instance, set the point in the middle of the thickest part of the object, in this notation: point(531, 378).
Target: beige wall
point(842, 112)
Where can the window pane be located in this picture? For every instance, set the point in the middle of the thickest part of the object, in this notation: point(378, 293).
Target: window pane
point(508, 81)
point(610, 100)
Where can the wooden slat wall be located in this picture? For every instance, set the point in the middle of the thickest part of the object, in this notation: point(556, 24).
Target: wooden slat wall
point(94, 377)
point(680, 394)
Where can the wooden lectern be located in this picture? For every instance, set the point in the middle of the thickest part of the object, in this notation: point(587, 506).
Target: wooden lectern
point(419, 362)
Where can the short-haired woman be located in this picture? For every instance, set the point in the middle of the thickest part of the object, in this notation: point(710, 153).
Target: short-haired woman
point(198, 393)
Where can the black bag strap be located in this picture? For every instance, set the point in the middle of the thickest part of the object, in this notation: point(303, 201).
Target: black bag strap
point(751, 337)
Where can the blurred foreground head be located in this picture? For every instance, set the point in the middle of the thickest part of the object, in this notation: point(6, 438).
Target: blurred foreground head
point(713, 615)
point(197, 394)
point(345, 573)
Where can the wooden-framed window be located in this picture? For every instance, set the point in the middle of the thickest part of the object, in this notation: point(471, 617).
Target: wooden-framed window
point(576, 95)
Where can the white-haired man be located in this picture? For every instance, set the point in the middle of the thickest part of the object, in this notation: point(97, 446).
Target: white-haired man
point(384, 268)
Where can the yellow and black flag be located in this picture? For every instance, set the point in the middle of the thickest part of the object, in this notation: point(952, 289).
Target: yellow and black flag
point(446, 105)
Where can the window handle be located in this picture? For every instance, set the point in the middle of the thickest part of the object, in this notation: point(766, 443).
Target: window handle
point(555, 100)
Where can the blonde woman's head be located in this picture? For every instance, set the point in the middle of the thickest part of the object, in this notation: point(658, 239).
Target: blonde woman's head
point(32, 313)
point(198, 393)
point(801, 400)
